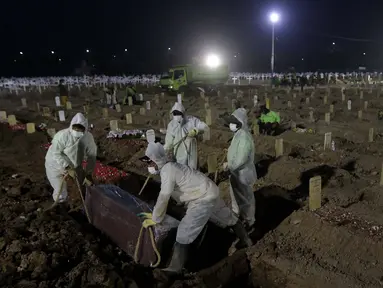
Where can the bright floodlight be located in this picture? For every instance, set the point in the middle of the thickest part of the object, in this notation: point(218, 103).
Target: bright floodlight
point(212, 61)
point(126, 50)
point(87, 50)
point(53, 52)
point(21, 53)
point(169, 49)
point(274, 17)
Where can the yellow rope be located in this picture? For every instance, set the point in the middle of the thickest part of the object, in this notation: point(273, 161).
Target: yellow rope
point(219, 164)
point(153, 241)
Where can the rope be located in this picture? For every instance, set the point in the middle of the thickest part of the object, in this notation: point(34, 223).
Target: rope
point(82, 198)
point(219, 164)
point(146, 182)
point(153, 241)
point(58, 196)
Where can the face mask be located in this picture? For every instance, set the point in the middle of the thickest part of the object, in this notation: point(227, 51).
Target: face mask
point(153, 170)
point(178, 118)
point(233, 127)
point(77, 134)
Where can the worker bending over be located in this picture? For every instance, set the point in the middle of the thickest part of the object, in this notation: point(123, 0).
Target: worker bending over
point(180, 136)
point(268, 121)
point(69, 148)
point(240, 157)
point(201, 197)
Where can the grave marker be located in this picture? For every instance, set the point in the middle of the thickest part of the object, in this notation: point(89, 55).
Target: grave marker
point(331, 108)
point(212, 163)
point(46, 111)
point(365, 105)
point(147, 105)
point(130, 101)
point(307, 100)
point(31, 128)
point(12, 120)
point(381, 176)
point(349, 105)
point(24, 102)
point(118, 108)
point(208, 117)
point(361, 95)
point(51, 132)
point(327, 141)
point(141, 97)
point(278, 147)
point(57, 101)
point(315, 193)
point(104, 113)
point(142, 111)
point(68, 105)
point(267, 103)
point(325, 100)
point(206, 134)
point(113, 124)
point(289, 104)
point(371, 135)
point(3, 115)
point(62, 115)
point(311, 113)
point(129, 119)
point(38, 107)
point(360, 114)
point(327, 118)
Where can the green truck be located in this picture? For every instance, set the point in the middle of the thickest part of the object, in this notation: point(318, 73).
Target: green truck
point(189, 77)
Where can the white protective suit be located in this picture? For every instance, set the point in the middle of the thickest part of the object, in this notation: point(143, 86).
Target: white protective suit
point(240, 159)
point(186, 151)
point(68, 151)
point(192, 188)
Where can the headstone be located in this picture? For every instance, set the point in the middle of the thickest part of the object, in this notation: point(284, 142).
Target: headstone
point(129, 119)
point(294, 95)
point(331, 108)
point(315, 193)
point(86, 109)
point(68, 105)
point(118, 108)
point(289, 104)
point(212, 163)
point(147, 105)
point(179, 98)
point(162, 95)
point(311, 113)
point(267, 103)
point(150, 136)
point(327, 141)
point(255, 128)
point(130, 101)
point(141, 97)
point(278, 147)
point(327, 118)
point(12, 120)
point(46, 111)
point(156, 99)
point(57, 100)
point(38, 107)
point(202, 95)
point(113, 124)
point(31, 128)
point(365, 105)
point(24, 102)
point(206, 105)
point(255, 100)
point(371, 135)
point(360, 114)
point(62, 115)
point(325, 100)
point(361, 95)
point(105, 113)
point(381, 176)
point(3, 115)
point(234, 104)
point(307, 100)
point(343, 94)
point(349, 105)
point(208, 117)
point(51, 132)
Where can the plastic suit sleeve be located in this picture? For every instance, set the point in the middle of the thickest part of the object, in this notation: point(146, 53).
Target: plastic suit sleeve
point(167, 188)
point(241, 157)
point(169, 139)
point(200, 125)
point(58, 152)
point(91, 153)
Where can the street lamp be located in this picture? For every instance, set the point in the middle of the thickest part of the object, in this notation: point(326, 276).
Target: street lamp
point(274, 18)
point(87, 50)
point(52, 52)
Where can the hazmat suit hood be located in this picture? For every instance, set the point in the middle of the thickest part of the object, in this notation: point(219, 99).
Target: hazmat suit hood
point(79, 118)
point(156, 153)
point(179, 107)
point(241, 115)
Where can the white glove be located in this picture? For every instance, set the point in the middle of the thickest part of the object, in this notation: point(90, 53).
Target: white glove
point(225, 166)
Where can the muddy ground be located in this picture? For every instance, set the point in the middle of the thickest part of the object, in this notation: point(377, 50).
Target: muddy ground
point(338, 245)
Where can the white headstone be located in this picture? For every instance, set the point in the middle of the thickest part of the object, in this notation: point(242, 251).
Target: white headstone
point(349, 105)
point(57, 100)
point(147, 105)
point(141, 97)
point(62, 115)
point(255, 100)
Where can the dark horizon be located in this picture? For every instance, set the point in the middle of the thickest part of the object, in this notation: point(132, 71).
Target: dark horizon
point(307, 30)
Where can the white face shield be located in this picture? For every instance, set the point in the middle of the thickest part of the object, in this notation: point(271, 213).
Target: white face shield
point(77, 134)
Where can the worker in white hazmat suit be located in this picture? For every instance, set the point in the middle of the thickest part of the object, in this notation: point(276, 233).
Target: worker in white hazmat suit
point(241, 165)
point(69, 148)
point(201, 197)
point(180, 136)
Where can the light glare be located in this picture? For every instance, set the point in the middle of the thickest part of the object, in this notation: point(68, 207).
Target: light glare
point(274, 17)
point(212, 61)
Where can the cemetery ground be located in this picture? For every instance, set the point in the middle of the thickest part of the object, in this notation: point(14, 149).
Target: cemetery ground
point(297, 242)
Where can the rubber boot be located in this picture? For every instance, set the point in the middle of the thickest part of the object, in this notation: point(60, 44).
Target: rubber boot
point(179, 257)
point(240, 231)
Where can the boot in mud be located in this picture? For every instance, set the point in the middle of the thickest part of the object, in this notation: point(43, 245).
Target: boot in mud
point(177, 263)
point(240, 231)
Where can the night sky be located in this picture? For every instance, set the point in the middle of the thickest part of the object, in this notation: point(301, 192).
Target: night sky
point(307, 30)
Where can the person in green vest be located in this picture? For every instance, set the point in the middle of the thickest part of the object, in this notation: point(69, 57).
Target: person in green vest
point(268, 121)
